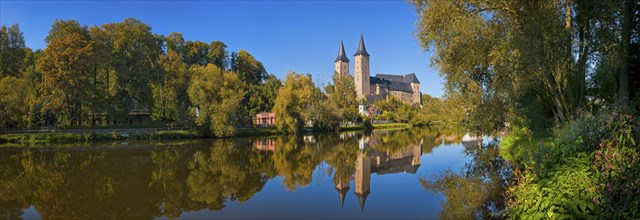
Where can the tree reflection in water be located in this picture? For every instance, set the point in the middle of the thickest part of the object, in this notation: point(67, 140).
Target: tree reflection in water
point(476, 192)
point(142, 183)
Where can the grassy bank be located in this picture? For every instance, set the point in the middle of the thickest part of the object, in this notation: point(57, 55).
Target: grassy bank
point(47, 139)
point(31, 140)
point(257, 132)
point(589, 168)
point(390, 126)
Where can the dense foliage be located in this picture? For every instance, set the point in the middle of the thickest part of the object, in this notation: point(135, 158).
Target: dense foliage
point(87, 74)
point(572, 173)
point(216, 95)
point(293, 101)
point(524, 67)
point(539, 62)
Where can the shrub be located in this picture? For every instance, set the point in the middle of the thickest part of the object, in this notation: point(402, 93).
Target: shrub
point(618, 164)
point(567, 190)
point(590, 167)
point(367, 125)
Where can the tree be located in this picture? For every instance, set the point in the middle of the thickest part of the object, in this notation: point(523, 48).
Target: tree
point(390, 108)
point(66, 64)
point(216, 96)
point(324, 114)
point(11, 50)
point(134, 52)
point(628, 14)
point(292, 103)
point(343, 96)
point(171, 85)
point(196, 53)
point(249, 69)
point(175, 42)
point(218, 54)
point(252, 73)
point(269, 92)
point(13, 100)
point(516, 53)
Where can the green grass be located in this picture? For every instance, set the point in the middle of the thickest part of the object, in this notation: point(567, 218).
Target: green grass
point(48, 139)
point(123, 126)
point(34, 140)
point(391, 126)
point(358, 127)
point(256, 132)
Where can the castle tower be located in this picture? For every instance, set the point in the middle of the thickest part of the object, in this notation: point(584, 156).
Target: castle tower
point(341, 62)
point(361, 70)
point(342, 186)
point(342, 192)
point(362, 177)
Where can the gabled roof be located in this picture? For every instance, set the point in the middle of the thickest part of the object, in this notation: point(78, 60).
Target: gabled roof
point(390, 78)
point(400, 86)
point(409, 78)
point(341, 54)
point(395, 82)
point(361, 49)
point(377, 80)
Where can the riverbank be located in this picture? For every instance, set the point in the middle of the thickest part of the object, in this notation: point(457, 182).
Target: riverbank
point(46, 139)
point(588, 168)
point(97, 135)
point(388, 126)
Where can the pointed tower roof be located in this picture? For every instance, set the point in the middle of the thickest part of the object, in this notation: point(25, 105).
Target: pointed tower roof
point(342, 193)
point(341, 56)
point(362, 198)
point(361, 49)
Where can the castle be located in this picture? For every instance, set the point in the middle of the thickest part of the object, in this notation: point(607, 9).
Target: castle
point(404, 87)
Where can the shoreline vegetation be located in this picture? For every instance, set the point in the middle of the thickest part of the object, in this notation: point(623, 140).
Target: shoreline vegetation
point(562, 80)
point(64, 137)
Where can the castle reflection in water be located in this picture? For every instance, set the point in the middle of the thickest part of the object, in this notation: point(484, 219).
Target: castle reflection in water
point(370, 158)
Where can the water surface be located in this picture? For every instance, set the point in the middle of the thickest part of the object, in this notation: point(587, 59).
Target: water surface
point(409, 174)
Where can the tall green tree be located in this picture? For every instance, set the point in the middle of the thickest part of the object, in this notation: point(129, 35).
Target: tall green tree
point(249, 70)
point(175, 42)
point(507, 55)
point(13, 100)
point(66, 64)
point(134, 53)
point(629, 11)
point(11, 50)
point(216, 96)
point(253, 74)
point(196, 52)
point(218, 55)
point(169, 88)
point(342, 95)
point(269, 92)
point(293, 101)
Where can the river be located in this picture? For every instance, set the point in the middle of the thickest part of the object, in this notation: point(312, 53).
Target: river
point(407, 174)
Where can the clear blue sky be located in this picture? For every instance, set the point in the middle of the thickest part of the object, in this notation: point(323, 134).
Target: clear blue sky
point(284, 35)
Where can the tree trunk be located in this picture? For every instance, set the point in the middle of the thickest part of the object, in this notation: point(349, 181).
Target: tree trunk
point(567, 14)
point(127, 106)
point(624, 52)
point(583, 51)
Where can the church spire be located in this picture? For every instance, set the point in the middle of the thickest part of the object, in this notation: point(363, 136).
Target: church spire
point(362, 199)
point(341, 56)
point(361, 49)
point(342, 193)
